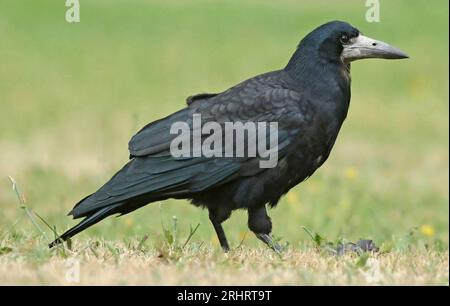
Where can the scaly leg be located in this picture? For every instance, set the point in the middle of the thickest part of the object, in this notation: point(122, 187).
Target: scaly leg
point(217, 223)
point(260, 224)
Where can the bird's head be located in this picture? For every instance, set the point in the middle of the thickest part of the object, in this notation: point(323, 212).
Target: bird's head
point(337, 40)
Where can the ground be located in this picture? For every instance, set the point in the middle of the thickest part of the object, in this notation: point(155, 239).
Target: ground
point(135, 263)
point(71, 96)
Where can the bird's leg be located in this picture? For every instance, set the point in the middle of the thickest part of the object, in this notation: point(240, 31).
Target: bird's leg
point(260, 224)
point(216, 220)
point(221, 235)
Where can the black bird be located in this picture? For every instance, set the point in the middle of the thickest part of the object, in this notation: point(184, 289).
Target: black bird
point(309, 100)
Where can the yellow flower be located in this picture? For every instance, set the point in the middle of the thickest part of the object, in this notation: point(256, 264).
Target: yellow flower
point(351, 173)
point(214, 240)
point(292, 198)
point(242, 235)
point(427, 230)
point(129, 222)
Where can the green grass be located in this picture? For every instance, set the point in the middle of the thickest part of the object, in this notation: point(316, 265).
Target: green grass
point(71, 96)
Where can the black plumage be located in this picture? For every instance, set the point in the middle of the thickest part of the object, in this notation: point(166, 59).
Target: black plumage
point(309, 99)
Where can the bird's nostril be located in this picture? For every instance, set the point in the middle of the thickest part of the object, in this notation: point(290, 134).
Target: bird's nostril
point(374, 44)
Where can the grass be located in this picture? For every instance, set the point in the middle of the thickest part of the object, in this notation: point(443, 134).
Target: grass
point(71, 96)
point(159, 263)
point(170, 260)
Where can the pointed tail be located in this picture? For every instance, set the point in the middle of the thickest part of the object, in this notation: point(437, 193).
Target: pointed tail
point(87, 222)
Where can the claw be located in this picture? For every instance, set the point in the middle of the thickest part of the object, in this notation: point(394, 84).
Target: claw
point(267, 239)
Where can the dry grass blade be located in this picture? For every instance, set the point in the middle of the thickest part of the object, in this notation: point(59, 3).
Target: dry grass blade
point(25, 208)
point(191, 233)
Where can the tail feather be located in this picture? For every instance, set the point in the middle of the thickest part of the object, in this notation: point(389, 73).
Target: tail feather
point(85, 223)
point(145, 180)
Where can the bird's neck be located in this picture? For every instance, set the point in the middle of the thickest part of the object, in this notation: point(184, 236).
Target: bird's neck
point(306, 62)
point(307, 69)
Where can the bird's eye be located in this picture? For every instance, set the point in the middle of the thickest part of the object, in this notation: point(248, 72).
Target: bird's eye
point(344, 39)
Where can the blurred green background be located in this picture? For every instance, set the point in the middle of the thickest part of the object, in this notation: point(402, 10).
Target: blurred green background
point(72, 95)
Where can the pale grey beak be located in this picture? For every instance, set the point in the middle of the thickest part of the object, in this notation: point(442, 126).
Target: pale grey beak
point(364, 47)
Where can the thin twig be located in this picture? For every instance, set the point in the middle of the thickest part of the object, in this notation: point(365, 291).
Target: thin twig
point(55, 233)
point(191, 233)
point(242, 241)
point(141, 243)
point(309, 233)
point(45, 222)
point(25, 208)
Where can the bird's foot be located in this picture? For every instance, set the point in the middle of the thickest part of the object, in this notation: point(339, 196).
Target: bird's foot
point(225, 247)
point(267, 239)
